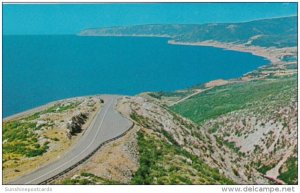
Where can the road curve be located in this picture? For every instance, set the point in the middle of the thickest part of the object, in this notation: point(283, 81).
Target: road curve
point(106, 125)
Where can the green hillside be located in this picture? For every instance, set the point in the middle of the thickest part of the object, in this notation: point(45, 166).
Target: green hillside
point(164, 161)
point(277, 32)
point(224, 99)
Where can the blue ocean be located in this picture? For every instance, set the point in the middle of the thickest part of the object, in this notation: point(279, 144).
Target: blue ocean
point(41, 69)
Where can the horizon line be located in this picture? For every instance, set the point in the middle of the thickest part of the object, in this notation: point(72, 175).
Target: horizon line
point(114, 26)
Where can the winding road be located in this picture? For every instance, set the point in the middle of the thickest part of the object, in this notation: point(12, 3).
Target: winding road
point(107, 124)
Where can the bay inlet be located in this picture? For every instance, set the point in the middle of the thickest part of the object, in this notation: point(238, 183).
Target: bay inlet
point(41, 69)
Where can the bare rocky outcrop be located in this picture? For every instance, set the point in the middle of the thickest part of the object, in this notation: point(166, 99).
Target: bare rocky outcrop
point(75, 124)
point(192, 138)
point(238, 143)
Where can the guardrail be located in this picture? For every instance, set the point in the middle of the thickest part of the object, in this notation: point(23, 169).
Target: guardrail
point(86, 158)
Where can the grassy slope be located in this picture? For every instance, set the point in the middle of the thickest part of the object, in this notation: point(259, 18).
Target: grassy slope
point(164, 162)
point(21, 140)
point(224, 99)
point(20, 136)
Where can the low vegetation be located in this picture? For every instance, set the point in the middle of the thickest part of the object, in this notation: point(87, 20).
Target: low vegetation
point(85, 179)
point(57, 108)
point(179, 94)
point(21, 140)
point(167, 163)
point(290, 175)
point(21, 137)
point(264, 168)
point(224, 99)
point(34, 139)
point(233, 114)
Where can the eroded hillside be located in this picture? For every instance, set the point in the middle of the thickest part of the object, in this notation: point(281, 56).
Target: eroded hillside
point(256, 120)
point(228, 132)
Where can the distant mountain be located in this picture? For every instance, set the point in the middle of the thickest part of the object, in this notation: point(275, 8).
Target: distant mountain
point(277, 32)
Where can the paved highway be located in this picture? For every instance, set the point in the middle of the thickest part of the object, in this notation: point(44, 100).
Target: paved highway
point(106, 125)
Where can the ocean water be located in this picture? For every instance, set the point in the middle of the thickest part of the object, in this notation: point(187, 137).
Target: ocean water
point(41, 69)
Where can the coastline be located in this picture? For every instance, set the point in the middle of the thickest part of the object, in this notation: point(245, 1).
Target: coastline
point(47, 105)
point(28, 112)
point(42, 107)
point(274, 55)
point(125, 35)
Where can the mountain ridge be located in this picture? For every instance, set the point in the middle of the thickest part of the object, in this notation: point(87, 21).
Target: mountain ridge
point(190, 24)
point(273, 32)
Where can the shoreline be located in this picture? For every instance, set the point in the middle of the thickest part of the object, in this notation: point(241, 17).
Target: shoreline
point(274, 55)
point(42, 107)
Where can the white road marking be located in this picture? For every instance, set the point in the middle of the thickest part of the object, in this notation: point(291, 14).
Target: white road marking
point(112, 100)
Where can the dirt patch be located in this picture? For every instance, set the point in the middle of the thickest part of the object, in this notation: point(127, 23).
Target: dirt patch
point(214, 83)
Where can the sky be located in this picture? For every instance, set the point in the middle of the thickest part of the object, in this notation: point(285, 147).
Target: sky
point(43, 19)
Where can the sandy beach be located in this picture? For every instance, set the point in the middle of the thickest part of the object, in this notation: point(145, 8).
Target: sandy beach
point(274, 55)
